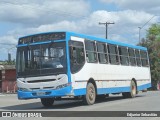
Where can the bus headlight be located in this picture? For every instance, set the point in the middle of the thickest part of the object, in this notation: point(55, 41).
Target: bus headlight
point(23, 89)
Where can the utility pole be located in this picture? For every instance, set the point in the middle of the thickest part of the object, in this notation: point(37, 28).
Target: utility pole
point(106, 24)
point(140, 34)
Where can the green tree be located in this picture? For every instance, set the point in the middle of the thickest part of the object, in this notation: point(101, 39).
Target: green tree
point(152, 42)
point(6, 62)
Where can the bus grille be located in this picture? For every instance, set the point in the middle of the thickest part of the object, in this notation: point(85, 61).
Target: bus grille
point(46, 80)
point(44, 88)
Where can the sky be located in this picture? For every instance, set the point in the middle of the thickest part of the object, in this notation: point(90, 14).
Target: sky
point(23, 17)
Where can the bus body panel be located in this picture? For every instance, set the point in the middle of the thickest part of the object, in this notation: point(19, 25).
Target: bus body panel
point(109, 78)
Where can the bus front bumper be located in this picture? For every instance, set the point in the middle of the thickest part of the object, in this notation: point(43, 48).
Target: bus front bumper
point(44, 93)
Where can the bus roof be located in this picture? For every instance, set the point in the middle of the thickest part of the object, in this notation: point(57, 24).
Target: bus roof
point(89, 37)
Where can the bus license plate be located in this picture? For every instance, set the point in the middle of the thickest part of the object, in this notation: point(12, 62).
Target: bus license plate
point(40, 93)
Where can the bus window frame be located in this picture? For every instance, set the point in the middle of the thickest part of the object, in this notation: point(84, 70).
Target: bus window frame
point(116, 54)
point(73, 64)
point(87, 52)
point(105, 52)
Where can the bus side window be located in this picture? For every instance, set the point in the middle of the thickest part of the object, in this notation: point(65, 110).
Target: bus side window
point(144, 58)
point(123, 53)
point(91, 53)
point(138, 59)
point(77, 57)
point(113, 54)
point(132, 60)
point(102, 52)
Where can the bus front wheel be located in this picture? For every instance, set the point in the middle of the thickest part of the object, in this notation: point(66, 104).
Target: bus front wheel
point(90, 96)
point(47, 102)
point(133, 91)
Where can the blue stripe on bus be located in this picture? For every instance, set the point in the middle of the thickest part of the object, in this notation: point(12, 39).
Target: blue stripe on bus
point(106, 40)
point(68, 60)
point(40, 43)
point(142, 87)
point(82, 91)
point(58, 41)
point(113, 90)
point(22, 45)
point(52, 93)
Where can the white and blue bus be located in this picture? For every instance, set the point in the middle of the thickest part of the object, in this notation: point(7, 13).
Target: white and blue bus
point(57, 64)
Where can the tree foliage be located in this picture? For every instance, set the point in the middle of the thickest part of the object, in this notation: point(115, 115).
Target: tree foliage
point(6, 62)
point(152, 42)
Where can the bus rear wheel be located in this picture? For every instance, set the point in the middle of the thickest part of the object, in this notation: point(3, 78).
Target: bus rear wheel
point(47, 102)
point(90, 96)
point(133, 91)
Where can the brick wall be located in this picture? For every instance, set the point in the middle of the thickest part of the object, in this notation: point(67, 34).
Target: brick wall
point(9, 81)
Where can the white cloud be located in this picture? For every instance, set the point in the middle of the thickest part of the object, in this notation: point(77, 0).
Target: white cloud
point(126, 22)
point(8, 39)
point(145, 5)
point(42, 11)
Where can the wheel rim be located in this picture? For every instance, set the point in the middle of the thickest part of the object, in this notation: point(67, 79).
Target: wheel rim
point(133, 88)
point(91, 94)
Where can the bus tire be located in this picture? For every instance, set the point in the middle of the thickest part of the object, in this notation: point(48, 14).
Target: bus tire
point(90, 96)
point(133, 91)
point(47, 102)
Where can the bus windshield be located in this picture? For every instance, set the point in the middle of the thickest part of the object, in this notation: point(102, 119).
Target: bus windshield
point(41, 59)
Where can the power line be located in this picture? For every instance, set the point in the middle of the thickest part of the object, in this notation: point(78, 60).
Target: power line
point(148, 21)
point(144, 25)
